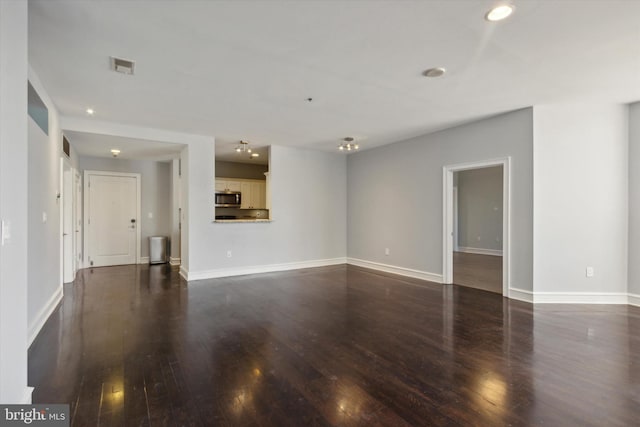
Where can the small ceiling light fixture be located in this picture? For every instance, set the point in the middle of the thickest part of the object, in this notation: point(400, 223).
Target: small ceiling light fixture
point(254, 155)
point(90, 111)
point(243, 147)
point(115, 152)
point(348, 145)
point(435, 72)
point(499, 12)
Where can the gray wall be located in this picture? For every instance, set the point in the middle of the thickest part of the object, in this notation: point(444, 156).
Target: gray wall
point(240, 170)
point(156, 192)
point(395, 193)
point(308, 210)
point(480, 208)
point(634, 199)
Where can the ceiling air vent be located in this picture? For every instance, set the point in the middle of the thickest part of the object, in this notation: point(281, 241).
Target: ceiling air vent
point(123, 66)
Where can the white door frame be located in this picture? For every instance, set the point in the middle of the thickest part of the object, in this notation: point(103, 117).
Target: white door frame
point(448, 217)
point(86, 219)
point(66, 195)
point(456, 220)
point(77, 220)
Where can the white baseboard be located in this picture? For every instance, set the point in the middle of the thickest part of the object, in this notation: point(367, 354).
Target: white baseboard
point(26, 397)
point(174, 261)
point(44, 313)
point(402, 271)
point(184, 273)
point(514, 293)
point(257, 269)
point(144, 260)
point(580, 298)
point(521, 295)
point(480, 251)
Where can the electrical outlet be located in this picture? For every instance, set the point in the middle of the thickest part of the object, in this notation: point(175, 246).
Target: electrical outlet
point(229, 253)
point(386, 251)
point(150, 215)
point(590, 272)
point(44, 217)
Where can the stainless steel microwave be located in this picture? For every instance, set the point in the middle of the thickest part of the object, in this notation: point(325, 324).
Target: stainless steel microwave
point(228, 199)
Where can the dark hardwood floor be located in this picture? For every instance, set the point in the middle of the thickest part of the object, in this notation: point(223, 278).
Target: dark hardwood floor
point(478, 271)
point(331, 346)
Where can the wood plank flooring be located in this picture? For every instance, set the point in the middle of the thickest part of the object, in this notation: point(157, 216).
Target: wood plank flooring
point(331, 346)
point(478, 271)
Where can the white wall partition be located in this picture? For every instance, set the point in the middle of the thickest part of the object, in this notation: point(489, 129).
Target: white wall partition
point(634, 203)
point(580, 203)
point(13, 202)
point(308, 196)
point(479, 216)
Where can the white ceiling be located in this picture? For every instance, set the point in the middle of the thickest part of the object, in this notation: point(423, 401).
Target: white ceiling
point(244, 69)
point(98, 145)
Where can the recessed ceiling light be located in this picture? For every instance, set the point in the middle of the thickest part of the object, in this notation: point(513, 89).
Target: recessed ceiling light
point(115, 152)
point(499, 13)
point(434, 72)
point(255, 155)
point(90, 111)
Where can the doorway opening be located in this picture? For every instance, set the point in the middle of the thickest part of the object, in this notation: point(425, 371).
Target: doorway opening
point(476, 225)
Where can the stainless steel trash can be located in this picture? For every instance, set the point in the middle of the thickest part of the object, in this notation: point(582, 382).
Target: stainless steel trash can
point(157, 250)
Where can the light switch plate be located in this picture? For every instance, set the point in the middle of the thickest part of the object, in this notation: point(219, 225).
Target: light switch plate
point(5, 232)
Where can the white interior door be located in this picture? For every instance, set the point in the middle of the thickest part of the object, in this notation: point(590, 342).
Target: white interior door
point(112, 222)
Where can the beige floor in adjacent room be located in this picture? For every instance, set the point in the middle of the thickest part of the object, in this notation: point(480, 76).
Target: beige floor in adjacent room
point(478, 271)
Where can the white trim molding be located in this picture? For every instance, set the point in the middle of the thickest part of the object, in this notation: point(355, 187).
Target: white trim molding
point(174, 261)
point(184, 273)
point(44, 313)
point(402, 271)
point(633, 299)
point(521, 295)
point(480, 251)
point(448, 212)
point(257, 269)
point(580, 298)
point(144, 260)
